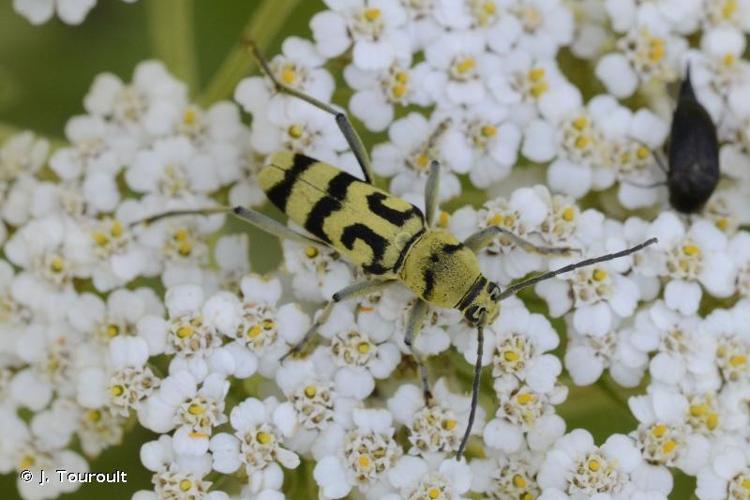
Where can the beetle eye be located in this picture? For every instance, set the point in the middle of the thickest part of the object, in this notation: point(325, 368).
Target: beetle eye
point(494, 291)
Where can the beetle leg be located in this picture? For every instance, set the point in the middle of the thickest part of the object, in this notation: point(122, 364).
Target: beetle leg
point(432, 193)
point(416, 319)
point(482, 238)
point(351, 291)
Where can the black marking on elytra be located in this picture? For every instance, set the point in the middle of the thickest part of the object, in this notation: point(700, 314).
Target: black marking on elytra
point(318, 214)
point(372, 239)
point(472, 293)
point(693, 153)
point(339, 185)
point(435, 257)
point(395, 217)
point(429, 283)
point(279, 194)
point(450, 249)
point(328, 204)
point(405, 250)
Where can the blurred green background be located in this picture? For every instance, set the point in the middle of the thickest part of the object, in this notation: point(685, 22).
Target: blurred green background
point(45, 72)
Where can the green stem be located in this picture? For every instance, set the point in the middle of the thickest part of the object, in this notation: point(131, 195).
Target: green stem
point(604, 385)
point(262, 27)
point(172, 38)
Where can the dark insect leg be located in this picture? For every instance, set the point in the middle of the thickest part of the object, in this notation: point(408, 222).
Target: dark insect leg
point(355, 290)
point(416, 319)
point(482, 238)
point(474, 392)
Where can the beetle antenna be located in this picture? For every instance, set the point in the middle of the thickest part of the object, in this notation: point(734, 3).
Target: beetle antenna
point(474, 390)
point(512, 290)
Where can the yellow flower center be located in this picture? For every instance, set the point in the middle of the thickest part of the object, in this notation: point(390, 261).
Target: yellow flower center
point(525, 398)
point(656, 49)
point(643, 153)
point(364, 462)
point(311, 252)
point(113, 331)
point(729, 8)
point(519, 481)
point(196, 409)
point(399, 90)
point(116, 390)
point(583, 141)
point(580, 122)
point(254, 331)
point(26, 462)
point(449, 424)
point(311, 391)
point(263, 437)
point(489, 131)
point(691, 250)
point(568, 214)
point(433, 493)
point(511, 356)
point(189, 117)
point(100, 238)
point(288, 75)
point(669, 446)
point(466, 64)
point(295, 131)
point(93, 415)
point(184, 331)
point(658, 430)
point(600, 275)
point(57, 264)
point(422, 160)
point(372, 14)
point(594, 465)
point(363, 347)
point(738, 360)
point(186, 484)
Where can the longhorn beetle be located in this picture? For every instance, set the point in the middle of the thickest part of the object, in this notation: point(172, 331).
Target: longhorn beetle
point(387, 237)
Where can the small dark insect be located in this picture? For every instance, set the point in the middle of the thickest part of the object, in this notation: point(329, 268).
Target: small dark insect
point(693, 153)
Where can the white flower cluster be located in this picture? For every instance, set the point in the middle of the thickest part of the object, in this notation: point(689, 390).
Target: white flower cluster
point(69, 11)
point(105, 319)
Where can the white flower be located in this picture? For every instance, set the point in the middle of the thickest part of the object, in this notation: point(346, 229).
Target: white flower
point(664, 439)
point(407, 157)
point(361, 349)
point(727, 474)
point(504, 475)
point(483, 143)
point(314, 402)
point(576, 468)
point(435, 427)
point(255, 445)
point(378, 92)
point(649, 51)
point(460, 66)
point(39, 12)
point(300, 66)
point(21, 156)
point(317, 272)
point(416, 478)
point(598, 294)
point(689, 257)
point(375, 29)
point(193, 411)
point(146, 108)
point(502, 260)
point(546, 26)
point(176, 474)
point(359, 455)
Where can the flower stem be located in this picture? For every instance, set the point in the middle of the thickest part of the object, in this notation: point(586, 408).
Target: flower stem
point(606, 387)
point(263, 26)
point(172, 39)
